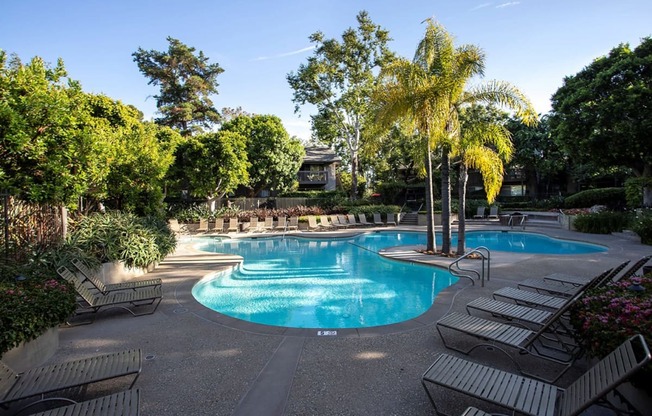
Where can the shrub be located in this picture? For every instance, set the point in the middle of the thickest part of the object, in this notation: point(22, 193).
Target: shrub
point(642, 225)
point(117, 236)
point(605, 222)
point(607, 316)
point(612, 198)
point(634, 191)
point(370, 209)
point(32, 299)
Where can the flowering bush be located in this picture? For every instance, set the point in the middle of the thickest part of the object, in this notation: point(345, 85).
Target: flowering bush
point(28, 308)
point(607, 316)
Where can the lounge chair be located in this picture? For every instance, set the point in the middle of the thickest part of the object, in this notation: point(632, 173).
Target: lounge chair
point(480, 213)
point(577, 280)
point(174, 226)
point(293, 224)
point(233, 225)
point(203, 225)
point(89, 276)
point(124, 403)
point(527, 297)
point(493, 213)
point(324, 222)
point(312, 223)
point(390, 219)
point(335, 222)
point(269, 224)
point(52, 378)
point(219, 225)
point(352, 220)
point(524, 395)
point(363, 220)
point(526, 341)
point(94, 302)
point(377, 219)
point(281, 223)
point(254, 225)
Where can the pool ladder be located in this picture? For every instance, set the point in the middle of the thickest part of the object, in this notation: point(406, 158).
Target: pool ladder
point(456, 270)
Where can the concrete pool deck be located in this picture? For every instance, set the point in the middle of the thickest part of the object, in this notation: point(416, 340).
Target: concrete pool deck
point(199, 362)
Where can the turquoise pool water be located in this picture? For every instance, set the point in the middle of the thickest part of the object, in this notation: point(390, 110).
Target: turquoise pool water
point(341, 282)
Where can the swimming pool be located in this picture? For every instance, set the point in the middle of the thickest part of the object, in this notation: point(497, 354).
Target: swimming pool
point(341, 282)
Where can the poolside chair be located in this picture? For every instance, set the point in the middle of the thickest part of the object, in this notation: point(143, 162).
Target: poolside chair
point(254, 225)
point(175, 227)
point(56, 377)
point(480, 213)
point(363, 220)
point(219, 225)
point(203, 225)
point(377, 219)
point(527, 297)
point(335, 222)
point(352, 220)
point(578, 280)
point(493, 213)
point(281, 223)
point(124, 403)
point(324, 222)
point(94, 302)
point(547, 342)
point(269, 224)
point(233, 225)
point(89, 276)
point(524, 395)
point(293, 224)
point(562, 290)
point(390, 219)
point(312, 223)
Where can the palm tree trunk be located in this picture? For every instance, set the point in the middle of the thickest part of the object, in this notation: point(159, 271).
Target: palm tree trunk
point(445, 201)
point(461, 211)
point(430, 222)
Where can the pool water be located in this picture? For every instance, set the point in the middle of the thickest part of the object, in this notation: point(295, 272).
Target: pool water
point(342, 282)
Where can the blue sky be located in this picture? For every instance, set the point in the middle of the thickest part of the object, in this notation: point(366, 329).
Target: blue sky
point(532, 44)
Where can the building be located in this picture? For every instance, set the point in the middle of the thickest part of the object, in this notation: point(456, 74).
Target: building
point(319, 170)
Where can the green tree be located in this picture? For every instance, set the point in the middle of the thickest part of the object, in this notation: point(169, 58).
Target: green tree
point(338, 79)
point(601, 115)
point(186, 81)
point(484, 144)
point(52, 148)
point(274, 157)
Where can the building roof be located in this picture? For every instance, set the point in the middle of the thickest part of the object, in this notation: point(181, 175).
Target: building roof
point(320, 155)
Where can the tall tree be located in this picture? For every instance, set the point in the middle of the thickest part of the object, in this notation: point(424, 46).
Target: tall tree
point(338, 79)
point(274, 157)
point(186, 82)
point(484, 144)
point(601, 115)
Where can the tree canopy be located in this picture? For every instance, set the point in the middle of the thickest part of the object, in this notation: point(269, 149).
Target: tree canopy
point(274, 157)
point(338, 79)
point(601, 115)
point(186, 82)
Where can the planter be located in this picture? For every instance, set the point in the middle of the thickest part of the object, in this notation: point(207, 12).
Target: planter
point(117, 272)
point(33, 353)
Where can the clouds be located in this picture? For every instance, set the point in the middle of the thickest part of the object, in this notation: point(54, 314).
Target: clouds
point(283, 55)
point(497, 6)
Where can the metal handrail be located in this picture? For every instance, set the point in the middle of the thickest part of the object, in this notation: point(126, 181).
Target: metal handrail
point(511, 221)
point(486, 256)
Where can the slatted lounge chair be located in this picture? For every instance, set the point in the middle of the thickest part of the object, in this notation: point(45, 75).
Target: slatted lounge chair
point(352, 220)
point(539, 343)
point(480, 213)
point(527, 396)
point(561, 290)
point(579, 281)
point(175, 227)
point(493, 213)
point(324, 222)
point(281, 223)
point(614, 275)
point(312, 223)
point(343, 220)
point(335, 222)
point(127, 300)
point(203, 225)
point(390, 219)
point(219, 225)
point(233, 225)
point(45, 380)
point(269, 224)
point(125, 403)
point(363, 220)
point(293, 223)
point(527, 297)
point(377, 219)
point(89, 276)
